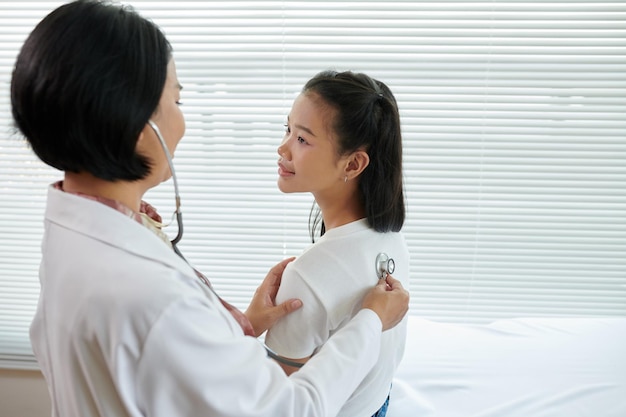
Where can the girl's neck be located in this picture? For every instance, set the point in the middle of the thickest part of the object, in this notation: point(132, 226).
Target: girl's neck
point(341, 210)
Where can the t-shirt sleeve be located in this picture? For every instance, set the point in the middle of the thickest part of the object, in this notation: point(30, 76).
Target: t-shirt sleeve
point(302, 332)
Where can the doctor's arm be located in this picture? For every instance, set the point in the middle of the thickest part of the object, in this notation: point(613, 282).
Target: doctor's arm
point(207, 367)
point(196, 361)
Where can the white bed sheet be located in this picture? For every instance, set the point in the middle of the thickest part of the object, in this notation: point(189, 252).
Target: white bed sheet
point(534, 367)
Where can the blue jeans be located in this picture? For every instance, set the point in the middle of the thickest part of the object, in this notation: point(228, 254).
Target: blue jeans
point(382, 412)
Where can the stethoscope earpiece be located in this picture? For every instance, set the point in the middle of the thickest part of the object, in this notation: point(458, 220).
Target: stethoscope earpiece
point(384, 265)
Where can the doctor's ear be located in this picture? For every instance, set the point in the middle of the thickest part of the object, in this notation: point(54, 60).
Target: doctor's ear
point(145, 141)
point(141, 139)
point(357, 162)
point(147, 134)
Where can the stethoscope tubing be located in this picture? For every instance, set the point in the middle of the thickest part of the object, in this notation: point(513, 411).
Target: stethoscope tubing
point(177, 212)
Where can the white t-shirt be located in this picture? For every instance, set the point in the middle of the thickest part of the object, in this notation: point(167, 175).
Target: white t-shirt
point(331, 277)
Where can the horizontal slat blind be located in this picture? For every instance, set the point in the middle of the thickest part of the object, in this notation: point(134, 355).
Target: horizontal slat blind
point(514, 122)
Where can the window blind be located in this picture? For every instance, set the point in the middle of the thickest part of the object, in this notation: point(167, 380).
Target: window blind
point(514, 129)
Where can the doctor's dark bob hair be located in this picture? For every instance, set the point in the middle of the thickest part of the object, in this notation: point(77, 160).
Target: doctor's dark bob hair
point(366, 116)
point(85, 83)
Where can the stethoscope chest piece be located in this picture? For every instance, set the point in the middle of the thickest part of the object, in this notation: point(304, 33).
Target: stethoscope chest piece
point(384, 265)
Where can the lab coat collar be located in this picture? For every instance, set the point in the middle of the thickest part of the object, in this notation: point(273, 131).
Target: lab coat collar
point(109, 226)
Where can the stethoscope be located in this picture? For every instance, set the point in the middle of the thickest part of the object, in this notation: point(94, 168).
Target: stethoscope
point(384, 264)
point(177, 213)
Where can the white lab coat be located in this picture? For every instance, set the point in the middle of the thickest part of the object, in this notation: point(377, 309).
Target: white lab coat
point(124, 328)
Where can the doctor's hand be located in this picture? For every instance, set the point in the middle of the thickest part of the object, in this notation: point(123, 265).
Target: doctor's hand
point(389, 300)
point(262, 311)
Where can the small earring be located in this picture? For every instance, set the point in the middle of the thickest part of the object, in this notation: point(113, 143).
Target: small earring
point(345, 179)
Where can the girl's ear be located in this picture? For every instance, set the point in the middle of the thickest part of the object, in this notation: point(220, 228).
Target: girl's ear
point(357, 162)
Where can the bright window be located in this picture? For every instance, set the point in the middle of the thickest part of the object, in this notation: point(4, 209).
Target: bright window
point(514, 122)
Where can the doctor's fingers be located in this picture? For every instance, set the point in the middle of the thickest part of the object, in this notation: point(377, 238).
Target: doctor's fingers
point(393, 284)
point(287, 307)
point(263, 315)
point(278, 269)
point(389, 302)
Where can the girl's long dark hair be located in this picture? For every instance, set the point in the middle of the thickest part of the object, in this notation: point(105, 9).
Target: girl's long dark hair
point(366, 117)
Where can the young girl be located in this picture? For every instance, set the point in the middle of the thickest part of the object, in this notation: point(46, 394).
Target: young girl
point(343, 145)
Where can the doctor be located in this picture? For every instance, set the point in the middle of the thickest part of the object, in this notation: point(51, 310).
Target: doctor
point(124, 326)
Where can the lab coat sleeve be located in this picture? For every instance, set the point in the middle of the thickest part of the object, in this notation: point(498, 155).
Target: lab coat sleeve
point(194, 363)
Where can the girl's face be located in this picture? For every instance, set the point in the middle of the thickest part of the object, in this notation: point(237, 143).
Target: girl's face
point(171, 124)
point(309, 161)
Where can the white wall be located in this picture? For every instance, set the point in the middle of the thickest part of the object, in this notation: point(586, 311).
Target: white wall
point(23, 394)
